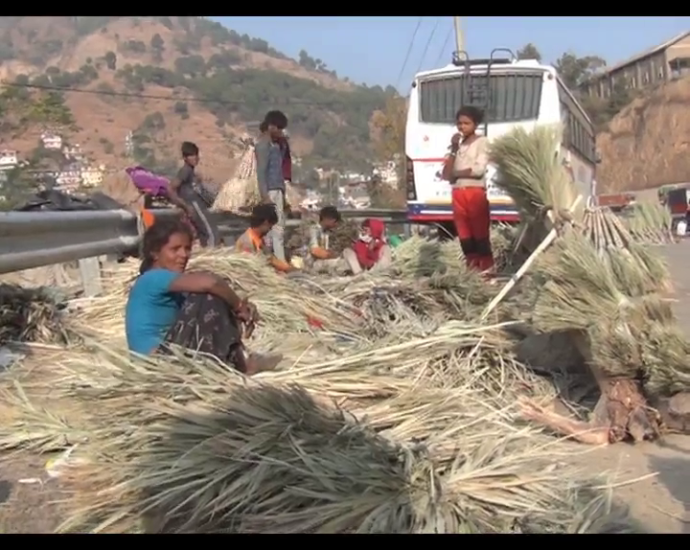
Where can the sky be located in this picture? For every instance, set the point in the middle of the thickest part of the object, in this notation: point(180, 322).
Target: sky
point(373, 49)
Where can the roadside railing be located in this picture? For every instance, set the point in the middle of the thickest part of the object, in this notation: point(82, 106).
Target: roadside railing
point(34, 239)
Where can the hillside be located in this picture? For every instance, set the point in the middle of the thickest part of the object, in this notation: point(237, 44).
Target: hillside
point(647, 144)
point(169, 79)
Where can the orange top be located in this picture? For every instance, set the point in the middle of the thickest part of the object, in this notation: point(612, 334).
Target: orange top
point(251, 242)
point(147, 217)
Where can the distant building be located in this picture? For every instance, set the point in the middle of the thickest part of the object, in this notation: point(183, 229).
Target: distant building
point(8, 159)
point(91, 177)
point(68, 180)
point(51, 141)
point(73, 152)
point(387, 172)
point(662, 63)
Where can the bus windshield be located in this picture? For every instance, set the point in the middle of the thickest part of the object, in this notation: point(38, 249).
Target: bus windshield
point(514, 96)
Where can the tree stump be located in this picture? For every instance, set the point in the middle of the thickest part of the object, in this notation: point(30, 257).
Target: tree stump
point(622, 412)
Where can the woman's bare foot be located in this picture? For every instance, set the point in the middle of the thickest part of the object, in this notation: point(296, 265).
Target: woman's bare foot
point(257, 362)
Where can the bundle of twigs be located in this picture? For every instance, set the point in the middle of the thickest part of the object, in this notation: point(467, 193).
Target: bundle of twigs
point(649, 223)
point(219, 453)
point(30, 315)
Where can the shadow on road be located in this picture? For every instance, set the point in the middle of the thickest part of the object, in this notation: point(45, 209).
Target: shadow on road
point(673, 474)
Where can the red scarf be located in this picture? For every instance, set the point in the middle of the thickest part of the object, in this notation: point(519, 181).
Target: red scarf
point(368, 253)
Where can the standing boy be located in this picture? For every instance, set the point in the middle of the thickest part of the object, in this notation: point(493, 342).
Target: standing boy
point(183, 194)
point(269, 174)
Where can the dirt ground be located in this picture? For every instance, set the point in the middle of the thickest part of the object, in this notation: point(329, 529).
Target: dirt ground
point(659, 502)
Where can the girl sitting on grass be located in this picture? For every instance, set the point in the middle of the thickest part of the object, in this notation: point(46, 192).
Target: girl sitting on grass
point(196, 310)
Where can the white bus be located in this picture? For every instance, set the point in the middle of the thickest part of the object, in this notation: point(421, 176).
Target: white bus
point(512, 93)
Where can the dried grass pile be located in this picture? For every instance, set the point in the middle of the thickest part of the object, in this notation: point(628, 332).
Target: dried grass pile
point(286, 305)
point(30, 315)
point(361, 308)
point(649, 222)
point(419, 257)
point(342, 446)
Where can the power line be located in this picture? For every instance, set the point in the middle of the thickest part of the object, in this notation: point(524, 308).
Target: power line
point(443, 48)
point(114, 93)
point(428, 43)
point(409, 51)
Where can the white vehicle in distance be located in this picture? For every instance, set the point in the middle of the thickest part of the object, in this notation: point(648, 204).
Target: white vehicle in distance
point(511, 93)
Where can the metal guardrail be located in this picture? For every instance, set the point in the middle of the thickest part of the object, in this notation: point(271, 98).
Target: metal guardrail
point(34, 239)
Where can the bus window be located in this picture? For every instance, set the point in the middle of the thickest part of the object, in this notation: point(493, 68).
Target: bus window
point(513, 97)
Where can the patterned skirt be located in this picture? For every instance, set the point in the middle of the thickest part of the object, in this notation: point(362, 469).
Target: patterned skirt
point(205, 323)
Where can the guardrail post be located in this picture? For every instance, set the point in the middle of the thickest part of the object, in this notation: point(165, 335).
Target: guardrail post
point(90, 271)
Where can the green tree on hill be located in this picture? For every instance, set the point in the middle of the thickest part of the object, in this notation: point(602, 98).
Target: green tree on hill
point(528, 51)
point(157, 46)
point(110, 60)
point(574, 71)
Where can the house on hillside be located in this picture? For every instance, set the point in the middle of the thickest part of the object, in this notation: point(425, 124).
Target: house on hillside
point(68, 180)
point(8, 159)
point(91, 176)
point(73, 152)
point(662, 63)
point(387, 172)
point(51, 141)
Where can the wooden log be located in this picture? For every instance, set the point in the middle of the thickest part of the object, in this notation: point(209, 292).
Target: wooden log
point(621, 414)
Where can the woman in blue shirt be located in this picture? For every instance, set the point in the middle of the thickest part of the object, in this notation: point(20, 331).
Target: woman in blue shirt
point(197, 310)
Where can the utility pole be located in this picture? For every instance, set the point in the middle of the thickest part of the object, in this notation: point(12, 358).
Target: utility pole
point(459, 41)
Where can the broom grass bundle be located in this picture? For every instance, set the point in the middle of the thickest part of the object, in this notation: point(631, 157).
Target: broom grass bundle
point(598, 284)
point(578, 288)
point(326, 473)
point(204, 451)
point(625, 252)
point(649, 223)
point(439, 287)
point(531, 171)
point(612, 299)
